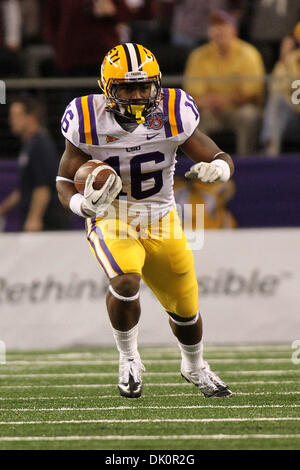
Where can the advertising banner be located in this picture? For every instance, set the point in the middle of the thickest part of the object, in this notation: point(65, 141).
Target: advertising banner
point(52, 291)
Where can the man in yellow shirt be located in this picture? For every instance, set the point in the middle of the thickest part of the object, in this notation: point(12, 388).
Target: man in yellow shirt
point(225, 77)
point(282, 109)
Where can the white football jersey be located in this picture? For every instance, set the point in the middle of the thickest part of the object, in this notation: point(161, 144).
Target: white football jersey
point(145, 158)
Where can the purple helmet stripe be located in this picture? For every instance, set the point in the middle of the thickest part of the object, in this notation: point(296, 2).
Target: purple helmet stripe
point(109, 256)
point(81, 123)
point(166, 112)
point(95, 140)
point(177, 110)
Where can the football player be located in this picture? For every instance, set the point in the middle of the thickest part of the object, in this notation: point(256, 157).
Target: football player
point(136, 127)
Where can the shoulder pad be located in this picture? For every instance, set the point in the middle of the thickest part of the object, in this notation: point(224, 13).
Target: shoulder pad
point(181, 113)
point(78, 124)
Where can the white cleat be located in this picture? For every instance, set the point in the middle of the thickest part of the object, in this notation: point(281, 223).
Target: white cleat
point(130, 377)
point(207, 381)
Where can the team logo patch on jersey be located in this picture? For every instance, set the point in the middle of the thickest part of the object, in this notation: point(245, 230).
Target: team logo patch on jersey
point(110, 139)
point(155, 121)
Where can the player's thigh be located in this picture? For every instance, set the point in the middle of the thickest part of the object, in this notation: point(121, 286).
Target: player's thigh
point(116, 251)
point(171, 276)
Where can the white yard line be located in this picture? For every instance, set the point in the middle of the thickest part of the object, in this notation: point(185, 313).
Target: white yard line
point(162, 395)
point(160, 349)
point(152, 438)
point(175, 373)
point(151, 420)
point(146, 361)
point(133, 408)
point(183, 384)
point(149, 355)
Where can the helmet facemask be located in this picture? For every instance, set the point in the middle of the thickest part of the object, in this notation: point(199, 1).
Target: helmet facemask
point(133, 110)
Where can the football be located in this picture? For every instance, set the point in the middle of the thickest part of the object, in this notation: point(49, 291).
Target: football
point(85, 169)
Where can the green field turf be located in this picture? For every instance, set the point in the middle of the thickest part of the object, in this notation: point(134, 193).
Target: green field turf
point(69, 400)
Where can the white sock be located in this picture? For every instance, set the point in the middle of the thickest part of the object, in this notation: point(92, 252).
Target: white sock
point(192, 355)
point(126, 342)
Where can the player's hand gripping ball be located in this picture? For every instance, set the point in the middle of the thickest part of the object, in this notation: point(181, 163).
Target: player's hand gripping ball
point(100, 185)
point(86, 169)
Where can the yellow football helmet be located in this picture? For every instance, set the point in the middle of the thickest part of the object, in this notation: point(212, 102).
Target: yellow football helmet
point(130, 64)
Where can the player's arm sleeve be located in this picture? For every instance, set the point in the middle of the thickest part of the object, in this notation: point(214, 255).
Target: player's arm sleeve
point(70, 124)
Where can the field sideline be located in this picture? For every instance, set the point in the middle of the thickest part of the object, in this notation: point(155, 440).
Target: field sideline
point(69, 400)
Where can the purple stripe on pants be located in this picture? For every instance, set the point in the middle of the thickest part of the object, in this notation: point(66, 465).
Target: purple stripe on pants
point(81, 123)
point(95, 140)
point(98, 259)
point(109, 256)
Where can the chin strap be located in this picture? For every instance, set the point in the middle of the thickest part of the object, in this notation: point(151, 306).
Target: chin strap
point(137, 111)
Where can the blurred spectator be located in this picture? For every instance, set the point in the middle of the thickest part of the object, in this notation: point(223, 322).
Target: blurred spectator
point(143, 21)
point(271, 21)
point(10, 37)
point(287, 45)
point(36, 194)
point(36, 54)
point(214, 198)
point(176, 27)
point(225, 77)
point(281, 111)
point(31, 19)
point(83, 31)
point(165, 11)
point(190, 19)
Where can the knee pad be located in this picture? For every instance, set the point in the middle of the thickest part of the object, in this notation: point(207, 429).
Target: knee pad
point(190, 322)
point(121, 297)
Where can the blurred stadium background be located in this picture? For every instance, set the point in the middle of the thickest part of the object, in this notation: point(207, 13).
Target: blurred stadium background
point(52, 295)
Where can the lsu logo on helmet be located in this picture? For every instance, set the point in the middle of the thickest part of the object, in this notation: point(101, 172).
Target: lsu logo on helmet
point(130, 64)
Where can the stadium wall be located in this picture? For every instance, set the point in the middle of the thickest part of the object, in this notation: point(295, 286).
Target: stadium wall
point(266, 191)
point(52, 293)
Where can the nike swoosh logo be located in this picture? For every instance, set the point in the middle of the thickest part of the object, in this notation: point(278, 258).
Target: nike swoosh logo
point(149, 137)
point(95, 202)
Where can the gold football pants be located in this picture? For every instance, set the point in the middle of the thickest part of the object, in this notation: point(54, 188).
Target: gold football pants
point(160, 253)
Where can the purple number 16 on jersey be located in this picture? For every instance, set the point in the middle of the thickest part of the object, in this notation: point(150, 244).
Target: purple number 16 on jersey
point(137, 176)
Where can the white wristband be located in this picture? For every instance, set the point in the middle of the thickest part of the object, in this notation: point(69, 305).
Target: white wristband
point(62, 178)
point(217, 154)
point(225, 167)
point(75, 204)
